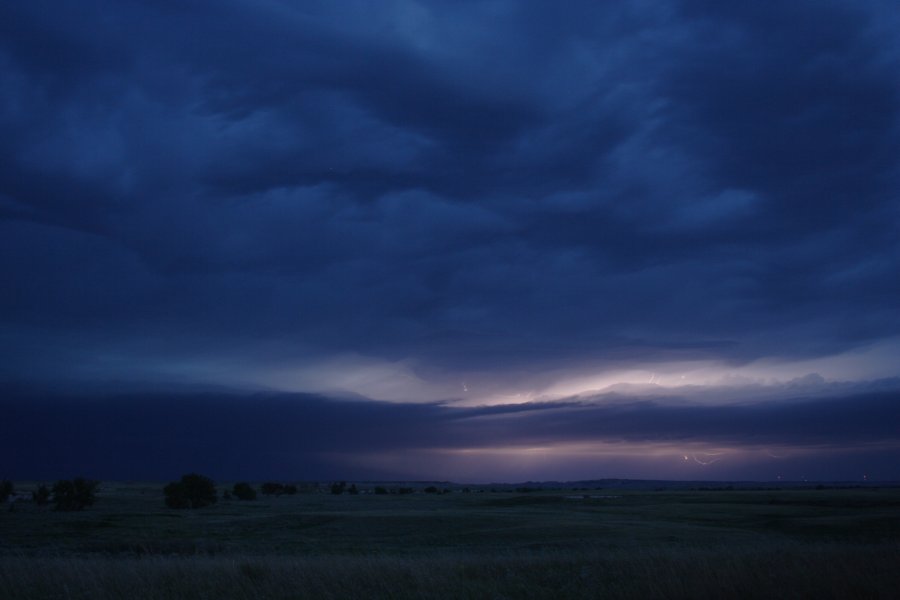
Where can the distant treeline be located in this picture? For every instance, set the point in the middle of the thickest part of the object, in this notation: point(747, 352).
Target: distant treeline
point(66, 494)
point(197, 491)
point(192, 490)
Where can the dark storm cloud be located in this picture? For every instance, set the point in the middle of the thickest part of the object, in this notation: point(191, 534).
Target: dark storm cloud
point(464, 185)
point(229, 435)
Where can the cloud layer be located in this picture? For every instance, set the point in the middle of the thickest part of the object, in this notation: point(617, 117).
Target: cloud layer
point(471, 188)
point(290, 436)
point(670, 226)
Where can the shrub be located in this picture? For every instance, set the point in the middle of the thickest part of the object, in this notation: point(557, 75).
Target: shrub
point(277, 489)
point(6, 490)
point(193, 491)
point(272, 489)
point(41, 496)
point(76, 494)
point(243, 491)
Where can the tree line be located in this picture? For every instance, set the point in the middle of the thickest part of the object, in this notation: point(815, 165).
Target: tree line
point(191, 491)
point(66, 494)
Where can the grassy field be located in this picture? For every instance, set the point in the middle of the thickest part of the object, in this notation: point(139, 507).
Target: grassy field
point(616, 544)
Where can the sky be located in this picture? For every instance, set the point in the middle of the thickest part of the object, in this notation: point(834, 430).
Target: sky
point(469, 241)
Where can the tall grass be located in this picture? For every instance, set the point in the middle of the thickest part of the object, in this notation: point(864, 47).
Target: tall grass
point(775, 570)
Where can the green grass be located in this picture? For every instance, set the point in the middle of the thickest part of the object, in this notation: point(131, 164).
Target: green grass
point(672, 544)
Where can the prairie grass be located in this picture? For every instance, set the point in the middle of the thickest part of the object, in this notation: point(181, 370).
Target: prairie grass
point(784, 570)
point(669, 544)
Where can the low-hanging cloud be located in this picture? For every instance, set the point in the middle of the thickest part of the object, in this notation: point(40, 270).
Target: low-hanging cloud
point(301, 436)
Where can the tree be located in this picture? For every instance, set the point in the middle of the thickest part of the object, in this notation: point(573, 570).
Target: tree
point(353, 489)
point(41, 496)
point(6, 490)
point(75, 494)
point(193, 491)
point(270, 488)
point(243, 491)
point(338, 488)
point(277, 489)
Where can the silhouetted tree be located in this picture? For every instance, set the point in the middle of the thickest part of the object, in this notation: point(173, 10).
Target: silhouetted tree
point(41, 496)
point(243, 491)
point(353, 489)
point(338, 488)
point(277, 489)
point(431, 490)
point(270, 488)
point(193, 491)
point(380, 489)
point(6, 490)
point(77, 494)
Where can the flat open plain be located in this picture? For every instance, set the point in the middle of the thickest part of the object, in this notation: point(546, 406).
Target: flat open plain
point(609, 543)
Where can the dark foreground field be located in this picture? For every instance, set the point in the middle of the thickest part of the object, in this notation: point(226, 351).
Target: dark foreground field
point(547, 544)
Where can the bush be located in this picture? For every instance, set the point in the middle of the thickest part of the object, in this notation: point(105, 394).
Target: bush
point(41, 496)
point(193, 491)
point(272, 489)
point(6, 490)
point(77, 494)
point(243, 491)
point(277, 489)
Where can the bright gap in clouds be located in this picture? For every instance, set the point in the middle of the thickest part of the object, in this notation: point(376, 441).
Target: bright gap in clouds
point(688, 460)
point(405, 381)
